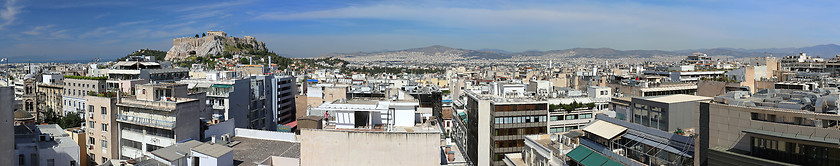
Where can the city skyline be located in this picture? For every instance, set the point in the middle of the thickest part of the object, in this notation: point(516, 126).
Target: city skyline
point(105, 29)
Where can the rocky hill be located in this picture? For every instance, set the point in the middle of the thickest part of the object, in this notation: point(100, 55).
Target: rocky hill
point(212, 43)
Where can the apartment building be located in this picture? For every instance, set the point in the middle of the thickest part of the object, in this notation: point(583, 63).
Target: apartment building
point(321, 93)
point(261, 115)
point(51, 94)
point(228, 98)
point(75, 90)
point(159, 115)
point(666, 113)
point(497, 126)
point(771, 127)
point(284, 96)
point(44, 145)
point(102, 128)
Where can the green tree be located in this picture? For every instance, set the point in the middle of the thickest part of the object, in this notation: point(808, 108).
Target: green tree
point(50, 116)
point(203, 34)
point(244, 61)
point(70, 120)
point(196, 35)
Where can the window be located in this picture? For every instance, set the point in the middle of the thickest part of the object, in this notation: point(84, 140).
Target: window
point(132, 144)
point(92, 141)
point(150, 147)
point(90, 109)
point(103, 109)
point(104, 144)
point(585, 116)
point(73, 163)
point(50, 162)
point(105, 127)
point(34, 158)
point(21, 160)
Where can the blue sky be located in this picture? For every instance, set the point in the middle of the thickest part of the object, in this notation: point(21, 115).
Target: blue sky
point(63, 30)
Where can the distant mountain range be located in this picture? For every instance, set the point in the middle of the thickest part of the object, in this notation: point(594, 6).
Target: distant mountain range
point(436, 51)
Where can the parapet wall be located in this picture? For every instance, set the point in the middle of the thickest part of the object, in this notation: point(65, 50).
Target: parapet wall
point(336, 147)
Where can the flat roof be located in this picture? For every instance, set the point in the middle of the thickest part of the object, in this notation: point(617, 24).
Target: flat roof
point(604, 129)
point(174, 152)
point(250, 151)
point(214, 150)
point(677, 98)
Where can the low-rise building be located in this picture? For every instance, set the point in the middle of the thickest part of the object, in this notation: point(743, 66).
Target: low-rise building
point(417, 146)
point(44, 145)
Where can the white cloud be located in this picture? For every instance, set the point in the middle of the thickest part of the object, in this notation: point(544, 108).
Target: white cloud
point(98, 32)
point(102, 31)
point(47, 31)
point(9, 13)
point(213, 6)
point(134, 22)
point(38, 30)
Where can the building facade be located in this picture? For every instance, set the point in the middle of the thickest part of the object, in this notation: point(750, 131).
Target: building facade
point(102, 129)
point(75, 90)
point(284, 96)
point(497, 126)
point(51, 94)
point(158, 116)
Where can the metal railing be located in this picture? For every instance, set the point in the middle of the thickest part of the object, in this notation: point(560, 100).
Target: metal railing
point(145, 121)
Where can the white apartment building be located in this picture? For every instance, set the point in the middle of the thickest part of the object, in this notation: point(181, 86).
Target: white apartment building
point(159, 115)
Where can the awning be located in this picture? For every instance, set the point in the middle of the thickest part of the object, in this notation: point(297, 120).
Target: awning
point(594, 159)
point(604, 129)
point(579, 153)
point(587, 157)
point(658, 145)
point(292, 124)
point(825, 140)
point(221, 86)
point(202, 85)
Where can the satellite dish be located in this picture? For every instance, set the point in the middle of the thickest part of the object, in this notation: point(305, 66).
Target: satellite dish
point(553, 138)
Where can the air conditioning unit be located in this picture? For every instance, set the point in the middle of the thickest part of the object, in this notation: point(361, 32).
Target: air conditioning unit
point(226, 138)
point(619, 151)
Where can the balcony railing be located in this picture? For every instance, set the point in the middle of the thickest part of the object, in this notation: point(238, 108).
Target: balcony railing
point(145, 121)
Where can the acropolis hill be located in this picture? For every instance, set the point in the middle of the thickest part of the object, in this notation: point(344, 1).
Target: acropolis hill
point(213, 43)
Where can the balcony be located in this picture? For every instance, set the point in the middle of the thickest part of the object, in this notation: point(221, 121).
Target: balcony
point(162, 105)
point(145, 121)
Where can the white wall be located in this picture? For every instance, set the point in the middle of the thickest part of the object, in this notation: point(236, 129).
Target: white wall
point(266, 135)
point(333, 147)
point(205, 160)
point(403, 117)
point(220, 129)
